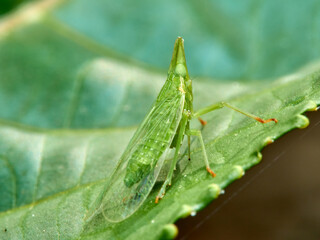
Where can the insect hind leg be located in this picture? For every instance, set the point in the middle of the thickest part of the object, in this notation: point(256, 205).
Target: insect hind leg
point(197, 133)
point(203, 122)
point(224, 104)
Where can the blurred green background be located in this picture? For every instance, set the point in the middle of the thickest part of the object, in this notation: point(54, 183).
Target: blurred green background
point(224, 39)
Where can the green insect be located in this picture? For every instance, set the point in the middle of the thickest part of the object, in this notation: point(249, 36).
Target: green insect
point(163, 128)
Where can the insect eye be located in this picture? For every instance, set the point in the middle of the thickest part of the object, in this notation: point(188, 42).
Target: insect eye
point(181, 70)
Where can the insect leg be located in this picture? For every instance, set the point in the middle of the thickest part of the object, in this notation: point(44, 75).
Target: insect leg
point(189, 150)
point(224, 104)
point(185, 118)
point(189, 142)
point(203, 122)
point(195, 132)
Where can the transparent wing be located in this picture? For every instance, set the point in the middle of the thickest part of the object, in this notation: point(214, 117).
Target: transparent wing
point(118, 201)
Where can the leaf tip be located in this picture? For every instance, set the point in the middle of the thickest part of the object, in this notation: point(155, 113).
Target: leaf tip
point(169, 231)
point(267, 141)
point(312, 106)
point(239, 170)
point(214, 190)
point(259, 155)
point(302, 121)
point(186, 210)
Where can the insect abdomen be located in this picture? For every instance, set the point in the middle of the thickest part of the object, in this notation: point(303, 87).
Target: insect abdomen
point(143, 160)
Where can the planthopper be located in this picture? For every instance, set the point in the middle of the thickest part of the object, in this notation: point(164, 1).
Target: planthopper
point(164, 128)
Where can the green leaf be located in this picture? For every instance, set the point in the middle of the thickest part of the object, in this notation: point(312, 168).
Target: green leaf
point(69, 107)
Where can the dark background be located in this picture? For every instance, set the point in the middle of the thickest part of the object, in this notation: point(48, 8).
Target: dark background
point(277, 199)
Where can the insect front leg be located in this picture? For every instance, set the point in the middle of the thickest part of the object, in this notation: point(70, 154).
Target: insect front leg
point(197, 133)
point(224, 104)
point(183, 124)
